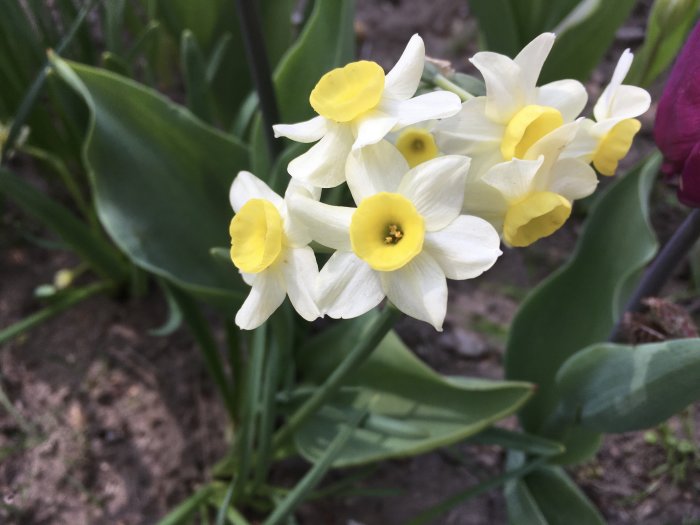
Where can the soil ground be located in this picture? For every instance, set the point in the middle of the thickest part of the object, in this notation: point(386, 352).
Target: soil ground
point(115, 426)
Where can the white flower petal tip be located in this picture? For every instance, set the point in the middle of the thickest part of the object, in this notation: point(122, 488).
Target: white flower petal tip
point(620, 101)
point(402, 81)
point(247, 186)
point(418, 289)
point(308, 131)
point(466, 248)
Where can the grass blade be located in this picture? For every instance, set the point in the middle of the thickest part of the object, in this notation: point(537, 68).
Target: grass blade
point(314, 476)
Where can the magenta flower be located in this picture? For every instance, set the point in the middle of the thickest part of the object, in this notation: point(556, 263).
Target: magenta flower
point(677, 128)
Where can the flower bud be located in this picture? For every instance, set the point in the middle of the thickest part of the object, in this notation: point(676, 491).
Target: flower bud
point(677, 127)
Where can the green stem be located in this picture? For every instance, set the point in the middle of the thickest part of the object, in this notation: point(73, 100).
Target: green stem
point(357, 356)
point(245, 439)
point(54, 308)
point(314, 476)
point(69, 182)
point(33, 92)
point(661, 269)
point(210, 352)
point(266, 407)
point(256, 55)
point(442, 82)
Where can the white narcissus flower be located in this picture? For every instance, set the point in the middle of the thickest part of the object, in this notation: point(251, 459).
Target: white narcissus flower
point(531, 198)
point(404, 238)
point(417, 143)
point(270, 249)
point(515, 113)
point(357, 106)
point(608, 140)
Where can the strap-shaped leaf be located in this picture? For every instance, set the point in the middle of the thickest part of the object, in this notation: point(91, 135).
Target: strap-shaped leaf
point(579, 304)
point(412, 409)
point(160, 179)
point(617, 388)
point(548, 496)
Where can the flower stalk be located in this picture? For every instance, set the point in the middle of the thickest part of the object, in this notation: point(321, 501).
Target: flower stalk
point(254, 43)
point(661, 269)
point(364, 348)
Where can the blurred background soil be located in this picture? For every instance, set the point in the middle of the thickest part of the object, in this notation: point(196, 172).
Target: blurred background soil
point(115, 426)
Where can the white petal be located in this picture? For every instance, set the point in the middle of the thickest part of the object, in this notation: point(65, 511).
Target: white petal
point(247, 186)
point(436, 189)
point(402, 81)
point(266, 295)
point(374, 169)
point(466, 248)
point(531, 59)
point(419, 289)
point(324, 164)
point(433, 105)
point(468, 130)
point(300, 272)
point(572, 179)
point(307, 131)
point(602, 109)
point(514, 178)
point(373, 127)
point(629, 102)
point(551, 146)
point(505, 92)
point(297, 187)
point(584, 144)
point(485, 202)
point(327, 225)
point(248, 278)
point(347, 287)
point(295, 229)
point(568, 96)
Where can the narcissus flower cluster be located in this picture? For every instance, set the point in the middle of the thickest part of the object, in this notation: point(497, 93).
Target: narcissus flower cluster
point(437, 184)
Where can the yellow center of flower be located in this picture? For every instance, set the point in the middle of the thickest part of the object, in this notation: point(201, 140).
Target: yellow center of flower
point(257, 236)
point(347, 92)
point(417, 145)
point(536, 216)
point(386, 231)
point(615, 145)
point(528, 126)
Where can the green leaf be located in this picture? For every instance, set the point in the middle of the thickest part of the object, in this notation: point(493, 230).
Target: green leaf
point(617, 388)
point(662, 45)
point(94, 249)
point(579, 304)
point(326, 42)
point(517, 441)
point(161, 180)
point(212, 21)
point(580, 48)
point(195, 76)
point(548, 496)
point(498, 25)
point(412, 408)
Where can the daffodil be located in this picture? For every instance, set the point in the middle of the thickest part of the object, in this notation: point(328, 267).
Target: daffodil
point(404, 238)
point(608, 140)
point(358, 105)
point(270, 249)
point(417, 143)
point(515, 113)
point(531, 198)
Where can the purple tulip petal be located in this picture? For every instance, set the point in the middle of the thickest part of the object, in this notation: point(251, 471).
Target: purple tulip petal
point(689, 189)
point(677, 128)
